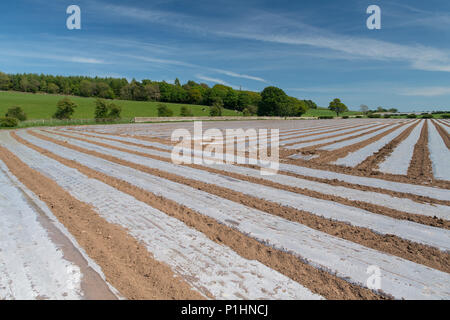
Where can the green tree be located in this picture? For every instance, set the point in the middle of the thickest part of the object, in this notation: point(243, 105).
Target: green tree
point(106, 111)
point(114, 111)
point(17, 113)
point(337, 106)
point(164, 111)
point(52, 88)
point(64, 109)
point(5, 81)
point(101, 110)
point(185, 112)
point(231, 100)
point(195, 95)
point(215, 110)
point(274, 102)
point(87, 88)
point(152, 91)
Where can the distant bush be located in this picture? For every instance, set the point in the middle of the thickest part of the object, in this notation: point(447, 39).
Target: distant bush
point(16, 112)
point(326, 117)
point(252, 109)
point(411, 116)
point(114, 111)
point(246, 113)
point(374, 115)
point(344, 117)
point(215, 111)
point(359, 117)
point(106, 111)
point(64, 109)
point(8, 122)
point(186, 112)
point(427, 116)
point(445, 116)
point(387, 116)
point(164, 111)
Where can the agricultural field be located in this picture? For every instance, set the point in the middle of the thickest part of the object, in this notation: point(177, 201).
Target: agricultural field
point(102, 212)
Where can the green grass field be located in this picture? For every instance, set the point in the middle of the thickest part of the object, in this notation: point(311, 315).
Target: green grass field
point(43, 106)
point(325, 112)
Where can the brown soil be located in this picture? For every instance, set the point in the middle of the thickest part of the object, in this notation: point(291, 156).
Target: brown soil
point(320, 282)
point(420, 167)
point(126, 263)
point(444, 135)
point(391, 244)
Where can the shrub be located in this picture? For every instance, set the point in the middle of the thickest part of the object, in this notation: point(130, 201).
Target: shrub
point(114, 111)
point(411, 116)
point(252, 109)
point(445, 116)
point(215, 111)
point(186, 112)
point(246, 113)
point(16, 112)
point(164, 111)
point(326, 117)
point(374, 115)
point(64, 109)
point(344, 117)
point(427, 116)
point(387, 116)
point(8, 122)
point(359, 117)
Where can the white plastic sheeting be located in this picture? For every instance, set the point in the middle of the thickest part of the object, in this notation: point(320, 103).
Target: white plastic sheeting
point(31, 265)
point(398, 161)
point(332, 137)
point(439, 154)
point(203, 263)
point(401, 204)
point(400, 278)
point(381, 224)
point(358, 156)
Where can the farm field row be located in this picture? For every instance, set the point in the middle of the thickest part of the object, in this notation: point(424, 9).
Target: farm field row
point(350, 196)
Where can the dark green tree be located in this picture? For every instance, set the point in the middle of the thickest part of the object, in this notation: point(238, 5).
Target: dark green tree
point(274, 102)
point(337, 106)
point(16, 112)
point(64, 109)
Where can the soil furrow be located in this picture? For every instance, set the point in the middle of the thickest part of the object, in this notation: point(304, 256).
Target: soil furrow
point(331, 156)
point(420, 168)
point(387, 243)
point(444, 135)
point(372, 162)
point(126, 263)
point(318, 281)
point(379, 209)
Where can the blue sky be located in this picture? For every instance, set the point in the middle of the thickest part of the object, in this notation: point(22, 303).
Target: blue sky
point(315, 50)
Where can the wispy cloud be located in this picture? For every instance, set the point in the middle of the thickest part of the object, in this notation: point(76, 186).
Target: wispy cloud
point(215, 80)
point(426, 91)
point(283, 30)
point(238, 75)
point(56, 57)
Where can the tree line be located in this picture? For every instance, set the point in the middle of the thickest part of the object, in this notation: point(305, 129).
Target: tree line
point(191, 92)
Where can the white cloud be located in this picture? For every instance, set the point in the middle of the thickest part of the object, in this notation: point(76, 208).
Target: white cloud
point(215, 80)
point(238, 75)
point(283, 30)
point(426, 91)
